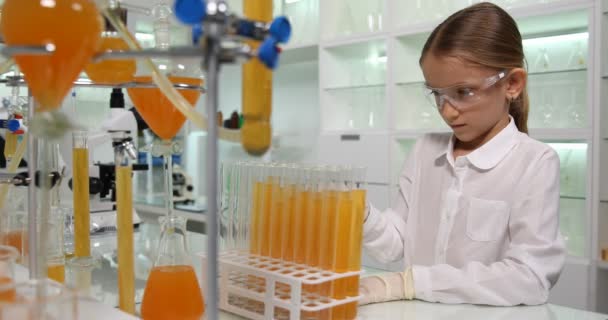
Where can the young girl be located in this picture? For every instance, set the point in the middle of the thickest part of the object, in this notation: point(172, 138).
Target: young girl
point(476, 218)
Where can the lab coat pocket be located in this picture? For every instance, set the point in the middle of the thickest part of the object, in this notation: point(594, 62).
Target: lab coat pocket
point(487, 219)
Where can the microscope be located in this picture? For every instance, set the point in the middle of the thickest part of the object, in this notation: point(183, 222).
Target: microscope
point(102, 177)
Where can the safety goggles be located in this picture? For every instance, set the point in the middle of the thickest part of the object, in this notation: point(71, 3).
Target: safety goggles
point(461, 96)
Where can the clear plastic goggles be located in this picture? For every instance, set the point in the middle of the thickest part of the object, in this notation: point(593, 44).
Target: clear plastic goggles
point(461, 96)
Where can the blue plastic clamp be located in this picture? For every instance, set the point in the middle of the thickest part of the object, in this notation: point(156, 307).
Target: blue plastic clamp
point(190, 11)
point(280, 29)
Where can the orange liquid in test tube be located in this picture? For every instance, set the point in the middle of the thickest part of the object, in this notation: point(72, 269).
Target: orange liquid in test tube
point(354, 262)
point(17, 240)
point(288, 228)
point(56, 272)
point(344, 233)
point(301, 234)
point(276, 220)
point(7, 294)
point(172, 292)
point(256, 216)
point(266, 216)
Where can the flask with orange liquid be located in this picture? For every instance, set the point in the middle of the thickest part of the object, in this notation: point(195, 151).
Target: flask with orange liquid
point(8, 257)
point(172, 290)
point(112, 71)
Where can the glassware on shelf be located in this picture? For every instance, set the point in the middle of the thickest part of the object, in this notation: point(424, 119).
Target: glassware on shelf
point(574, 111)
point(172, 290)
point(542, 62)
point(578, 57)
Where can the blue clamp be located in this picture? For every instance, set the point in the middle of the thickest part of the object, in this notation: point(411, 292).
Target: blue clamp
point(268, 53)
point(280, 29)
point(190, 11)
point(13, 125)
point(197, 33)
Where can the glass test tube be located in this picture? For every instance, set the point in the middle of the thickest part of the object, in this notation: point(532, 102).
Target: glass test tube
point(302, 198)
point(244, 204)
point(288, 213)
point(257, 200)
point(80, 186)
point(55, 245)
point(276, 209)
point(354, 262)
point(124, 211)
point(266, 209)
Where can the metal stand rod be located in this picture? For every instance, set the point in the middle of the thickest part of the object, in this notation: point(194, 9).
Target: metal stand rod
point(212, 66)
point(32, 232)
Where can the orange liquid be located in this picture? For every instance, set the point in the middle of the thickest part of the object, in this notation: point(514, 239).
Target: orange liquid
point(8, 294)
point(111, 71)
point(313, 221)
point(265, 221)
point(256, 216)
point(354, 263)
point(276, 221)
point(82, 214)
point(15, 239)
point(344, 234)
point(301, 234)
point(288, 228)
point(56, 272)
point(158, 112)
point(172, 292)
point(72, 26)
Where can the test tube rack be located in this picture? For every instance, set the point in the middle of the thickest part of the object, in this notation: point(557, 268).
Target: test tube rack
point(263, 288)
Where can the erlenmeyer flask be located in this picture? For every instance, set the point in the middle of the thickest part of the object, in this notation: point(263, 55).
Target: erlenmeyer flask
point(172, 290)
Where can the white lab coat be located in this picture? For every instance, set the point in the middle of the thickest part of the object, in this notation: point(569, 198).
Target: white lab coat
point(481, 229)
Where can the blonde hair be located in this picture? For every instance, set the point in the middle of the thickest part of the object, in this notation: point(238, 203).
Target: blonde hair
point(486, 35)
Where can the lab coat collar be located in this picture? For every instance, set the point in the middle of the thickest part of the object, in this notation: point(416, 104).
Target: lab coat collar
point(491, 153)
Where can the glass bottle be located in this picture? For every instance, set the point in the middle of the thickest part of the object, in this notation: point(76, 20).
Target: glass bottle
point(172, 290)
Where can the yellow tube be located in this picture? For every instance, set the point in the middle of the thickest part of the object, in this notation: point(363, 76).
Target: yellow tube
point(10, 145)
point(80, 165)
point(256, 133)
point(126, 270)
point(12, 168)
point(165, 85)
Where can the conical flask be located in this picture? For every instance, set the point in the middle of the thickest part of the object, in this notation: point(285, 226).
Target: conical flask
point(172, 290)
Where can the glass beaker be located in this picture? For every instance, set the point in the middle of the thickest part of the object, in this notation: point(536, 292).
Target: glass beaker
point(172, 290)
point(41, 300)
point(8, 258)
point(55, 245)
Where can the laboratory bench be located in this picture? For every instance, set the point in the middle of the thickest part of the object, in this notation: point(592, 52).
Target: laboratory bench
point(102, 303)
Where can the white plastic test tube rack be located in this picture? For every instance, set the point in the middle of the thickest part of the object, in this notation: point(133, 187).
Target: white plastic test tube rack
point(263, 288)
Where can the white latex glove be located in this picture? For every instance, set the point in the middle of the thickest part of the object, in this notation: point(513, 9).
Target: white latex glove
point(387, 287)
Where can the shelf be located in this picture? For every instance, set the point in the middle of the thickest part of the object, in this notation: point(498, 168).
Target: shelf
point(543, 73)
point(354, 39)
point(299, 53)
point(355, 87)
point(416, 133)
point(561, 134)
point(353, 132)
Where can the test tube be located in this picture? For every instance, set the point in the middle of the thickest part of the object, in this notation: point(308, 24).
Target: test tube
point(55, 245)
point(80, 187)
point(302, 197)
point(257, 200)
point(277, 204)
point(266, 209)
point(124, 211)
point(244, 205)
point(226, 204)
point(358, 194)
point(313, 216)
point(288, 213)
